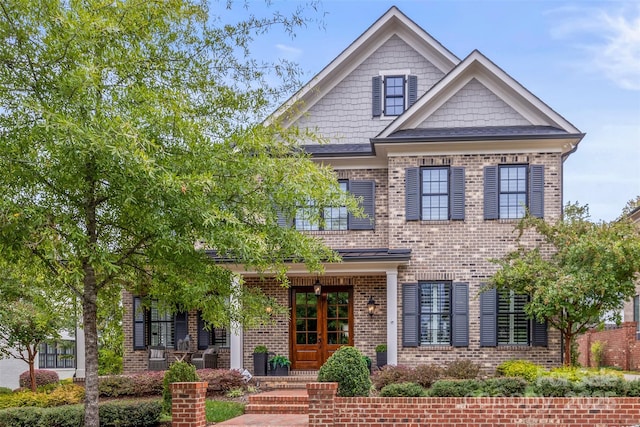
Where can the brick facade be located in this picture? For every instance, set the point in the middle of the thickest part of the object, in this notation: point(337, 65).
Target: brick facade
point(326, 410)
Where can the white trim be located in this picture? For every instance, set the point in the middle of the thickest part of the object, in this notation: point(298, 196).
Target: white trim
point(235, 331)
point(392, 316)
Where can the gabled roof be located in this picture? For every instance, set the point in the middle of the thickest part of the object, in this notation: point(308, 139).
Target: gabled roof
point(479, 67)
point(393, 22)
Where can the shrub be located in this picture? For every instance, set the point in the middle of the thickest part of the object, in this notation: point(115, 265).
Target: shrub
point(63, 395)
point(178, 372)
point(43, 378)
point(381, 348)
point(504, 387)
point(633, 388)
point(426, 375)
point(392, 375)
point(5, 390)
point(135, 385)
point(601, 385)
point(597, 353)
point(261, 349)
point(403, 390)
point(221, 380)
point(553, 387)
point(462, 369)
point(348, 369)
point(112, 414)
point(575, 374)
point(455, 388)
point(521, 369)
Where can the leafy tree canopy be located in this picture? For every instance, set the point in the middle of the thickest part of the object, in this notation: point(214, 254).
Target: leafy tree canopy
point(578, 271)
point(128, 133)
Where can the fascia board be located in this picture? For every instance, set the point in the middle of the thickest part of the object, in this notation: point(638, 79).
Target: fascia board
point(351, 267)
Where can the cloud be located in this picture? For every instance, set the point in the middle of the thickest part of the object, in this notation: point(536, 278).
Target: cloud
point(609, 39)
point(289, 51)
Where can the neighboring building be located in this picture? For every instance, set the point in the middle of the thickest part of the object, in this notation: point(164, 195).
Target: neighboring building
point(446, 154)
point(65, 357)
point(631, 309)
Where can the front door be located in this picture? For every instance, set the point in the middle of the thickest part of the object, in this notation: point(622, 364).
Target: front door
point(320, 325)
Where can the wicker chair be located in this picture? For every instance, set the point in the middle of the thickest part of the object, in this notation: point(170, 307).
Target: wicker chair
point(157, 358)
point(207, 359)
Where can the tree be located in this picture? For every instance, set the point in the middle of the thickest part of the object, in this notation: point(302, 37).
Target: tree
point(631, 206)
point(128, 132)
point(28, 316)
point(578, 271)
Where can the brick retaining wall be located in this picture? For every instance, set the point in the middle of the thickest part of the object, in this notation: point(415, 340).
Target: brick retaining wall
point(327, 410)
point(622, 348)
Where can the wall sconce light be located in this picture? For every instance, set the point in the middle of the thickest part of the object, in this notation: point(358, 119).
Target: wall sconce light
point(317, 287)
point(371, 306)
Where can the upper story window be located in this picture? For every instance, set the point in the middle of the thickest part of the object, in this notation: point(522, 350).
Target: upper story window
point(56, 355)
point(392, 92)
point(435, 193)
point(513, 324)
point(435, 313)
point(509, 190)
point(337, 218)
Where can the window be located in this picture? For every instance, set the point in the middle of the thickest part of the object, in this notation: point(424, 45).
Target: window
point(513, 324)
point(393, 95)
point(509, 190)
point(211, 336)
point(57, 355)
point(335, 218)
point(435, 313)
point(513, 191)
point(154, 327)
point(161, 326)
point(435, 193)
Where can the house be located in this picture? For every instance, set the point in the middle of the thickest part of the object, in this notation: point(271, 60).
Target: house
point(446, 154)
point(631, 309)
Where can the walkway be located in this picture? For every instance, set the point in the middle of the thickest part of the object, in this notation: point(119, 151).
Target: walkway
point(281, 407)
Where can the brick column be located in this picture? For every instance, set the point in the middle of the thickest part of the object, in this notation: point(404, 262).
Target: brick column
point(321, 396)
point(187, 404)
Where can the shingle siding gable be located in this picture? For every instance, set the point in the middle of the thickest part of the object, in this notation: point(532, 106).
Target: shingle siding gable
point(344, 113)
point(474, 105)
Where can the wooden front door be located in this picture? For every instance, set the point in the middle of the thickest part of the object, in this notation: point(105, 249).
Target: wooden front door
point(320, 325)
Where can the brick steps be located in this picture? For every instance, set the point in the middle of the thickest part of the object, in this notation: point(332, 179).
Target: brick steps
point(281, 401)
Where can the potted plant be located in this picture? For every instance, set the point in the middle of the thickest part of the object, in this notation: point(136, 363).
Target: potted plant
point(280, 365)
point(260, 358)
point(381, 355)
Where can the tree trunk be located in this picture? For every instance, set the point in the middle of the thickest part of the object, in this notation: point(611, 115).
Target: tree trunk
point(32, 369)
point(90, 347)
point(567, 349)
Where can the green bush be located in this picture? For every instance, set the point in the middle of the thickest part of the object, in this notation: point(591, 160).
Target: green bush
point(521, 369)
point(403, 390)
point(462, 369)
point(178, 372)
point(455, 388)
point(221, 380)
point(553, 387)
point(141, 384)
point(575, 374)
point(109, 362)
point(390, 374)
point(597, 353)
point(5, 390)
point(64, 395)
point(348, 369)
point(633, 388)
point(504, 387)
point(426, 375)
point(43, 378)
point(112, 414)
point(601, 385)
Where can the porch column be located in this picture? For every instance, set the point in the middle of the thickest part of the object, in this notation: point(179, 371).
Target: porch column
point(392, 317)
point(235, 343)
point(80, 354)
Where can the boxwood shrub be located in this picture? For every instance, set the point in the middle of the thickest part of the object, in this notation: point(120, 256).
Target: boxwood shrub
point(601, 385)
point(504, 387)
point(455, 388)
point(553, 387)
point(349, 370)
point(403, 390)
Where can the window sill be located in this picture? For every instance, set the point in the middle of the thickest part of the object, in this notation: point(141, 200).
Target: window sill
point(435, 221)
point(436, 347)
point(513, 347)
point(324, 232)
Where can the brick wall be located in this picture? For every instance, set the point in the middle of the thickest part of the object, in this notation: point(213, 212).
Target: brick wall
point(325, 411)
point(188, 404)
point(622, 348)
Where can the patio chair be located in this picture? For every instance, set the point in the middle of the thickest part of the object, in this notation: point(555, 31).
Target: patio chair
point(207, 359)
point(157, 358)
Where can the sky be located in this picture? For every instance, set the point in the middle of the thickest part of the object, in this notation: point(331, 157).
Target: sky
point(582, 58)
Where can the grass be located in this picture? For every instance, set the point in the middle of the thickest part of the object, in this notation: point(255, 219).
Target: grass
point(219, 410)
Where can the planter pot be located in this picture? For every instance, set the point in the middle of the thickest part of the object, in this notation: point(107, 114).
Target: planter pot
point(281, 371)
point(381, 359)
point(260, 364)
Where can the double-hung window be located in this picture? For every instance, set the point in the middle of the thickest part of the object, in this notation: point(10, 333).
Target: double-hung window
point(509, 190)
point(57, 355)
point(435, 313)
point(392, 92)
point(513, 191)
point(513, 324)
point(156, 327)
point(332, 218)
point(435, 193)
point(161, 325)
point(394, 95)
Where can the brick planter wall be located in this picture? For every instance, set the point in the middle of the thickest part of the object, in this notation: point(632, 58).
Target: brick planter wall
point(326, 410)
point(188, 404)
point(622, 348)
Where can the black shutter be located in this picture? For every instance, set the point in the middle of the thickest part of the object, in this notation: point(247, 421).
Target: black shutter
point(491, 196)
point(412, 89)
point(283, 221)
point(204, 336)
point(488, 318)
point(367, 191)
point(536, 191)
point(460, 318)
point(410, 315)
point(181, 327)
point(412, 194)
point(376, 96)
point(456, 193)
point(139, 326)
point(538, 333)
